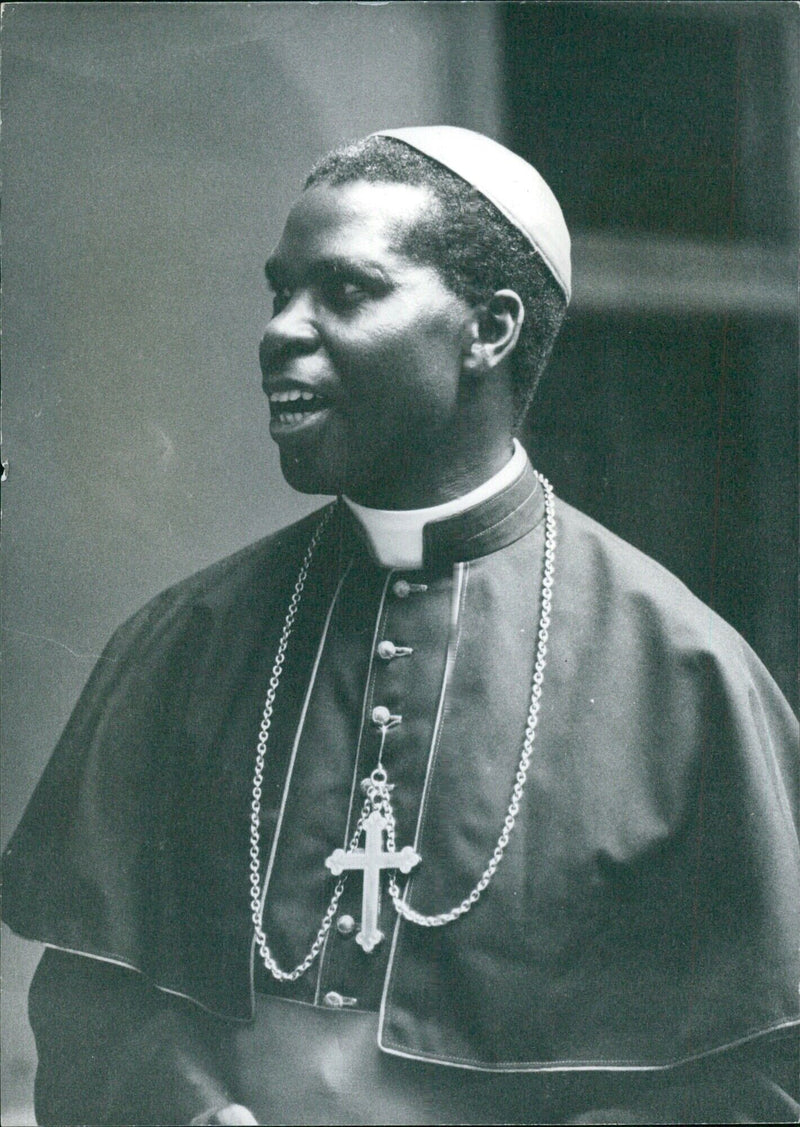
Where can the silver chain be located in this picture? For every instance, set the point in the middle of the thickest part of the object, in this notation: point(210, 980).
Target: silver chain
point(258, 781)
point(378, 791)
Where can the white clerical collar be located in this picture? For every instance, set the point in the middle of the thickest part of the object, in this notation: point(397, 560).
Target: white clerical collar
point(396, 534)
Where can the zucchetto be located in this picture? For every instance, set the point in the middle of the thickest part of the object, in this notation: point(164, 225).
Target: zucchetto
point(506, 180)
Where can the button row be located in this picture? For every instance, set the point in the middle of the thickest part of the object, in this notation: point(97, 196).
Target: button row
point(382, 717)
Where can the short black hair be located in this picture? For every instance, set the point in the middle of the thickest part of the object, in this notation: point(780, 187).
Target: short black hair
point(473, 246)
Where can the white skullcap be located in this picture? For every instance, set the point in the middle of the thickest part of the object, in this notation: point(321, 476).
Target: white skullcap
point(506, 180)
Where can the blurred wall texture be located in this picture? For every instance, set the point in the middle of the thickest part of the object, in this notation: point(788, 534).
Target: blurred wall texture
point(150, 154)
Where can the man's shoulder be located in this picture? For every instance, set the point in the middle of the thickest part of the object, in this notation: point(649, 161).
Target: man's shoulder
point(618, 578)
point(259, 561)
point(622, 606)
point(267, 563)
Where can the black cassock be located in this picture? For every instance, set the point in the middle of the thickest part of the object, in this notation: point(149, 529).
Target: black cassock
point(633, 958)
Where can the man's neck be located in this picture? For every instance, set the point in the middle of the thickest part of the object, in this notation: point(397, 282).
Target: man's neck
point(396, 534)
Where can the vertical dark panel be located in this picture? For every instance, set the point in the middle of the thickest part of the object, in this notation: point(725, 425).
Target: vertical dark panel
point(674, 426)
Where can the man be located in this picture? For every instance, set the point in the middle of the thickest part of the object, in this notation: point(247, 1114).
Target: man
point(443, 804)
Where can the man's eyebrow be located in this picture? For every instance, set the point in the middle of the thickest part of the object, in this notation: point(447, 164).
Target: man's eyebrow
point(341, 264)
point(276, 271)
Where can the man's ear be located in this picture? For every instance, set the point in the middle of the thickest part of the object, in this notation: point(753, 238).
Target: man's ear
point(493, 331)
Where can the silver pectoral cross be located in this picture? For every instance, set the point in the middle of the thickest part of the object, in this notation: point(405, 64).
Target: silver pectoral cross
point(372, 859)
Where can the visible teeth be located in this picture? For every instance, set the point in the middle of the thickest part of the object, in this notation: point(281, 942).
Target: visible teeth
point(282, 401)
point(290, 396)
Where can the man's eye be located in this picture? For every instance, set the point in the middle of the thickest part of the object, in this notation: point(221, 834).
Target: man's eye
point(341, 294)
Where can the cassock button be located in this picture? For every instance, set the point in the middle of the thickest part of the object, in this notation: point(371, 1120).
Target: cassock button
point(401, 589)
point(381, 715)
point(386, 649)
point(345, 925)
point(336, 1000)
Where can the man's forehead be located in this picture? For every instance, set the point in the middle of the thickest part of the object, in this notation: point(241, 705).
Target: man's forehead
point(352, 218)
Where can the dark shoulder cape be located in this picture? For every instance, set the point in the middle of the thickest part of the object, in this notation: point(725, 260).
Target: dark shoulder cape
point(655, 883)
point(133, 846)
point(664, 745)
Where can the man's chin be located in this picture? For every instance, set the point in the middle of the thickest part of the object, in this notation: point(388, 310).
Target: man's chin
point(321, 469)
point(304, 475)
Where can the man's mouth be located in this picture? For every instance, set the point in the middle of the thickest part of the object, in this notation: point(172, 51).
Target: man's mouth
point(292, 407)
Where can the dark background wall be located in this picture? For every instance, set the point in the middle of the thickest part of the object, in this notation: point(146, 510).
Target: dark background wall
point(150, 154)
point(669, 134)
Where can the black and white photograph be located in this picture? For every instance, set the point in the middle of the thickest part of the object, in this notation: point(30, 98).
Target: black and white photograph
point(399, 548)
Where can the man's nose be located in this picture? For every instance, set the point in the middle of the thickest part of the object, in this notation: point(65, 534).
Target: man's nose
point(289, 332)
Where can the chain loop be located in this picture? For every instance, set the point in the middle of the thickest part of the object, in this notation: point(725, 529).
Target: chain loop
point(378, 789)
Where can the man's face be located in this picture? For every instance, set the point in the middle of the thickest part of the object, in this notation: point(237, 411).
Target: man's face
point(362, 357)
